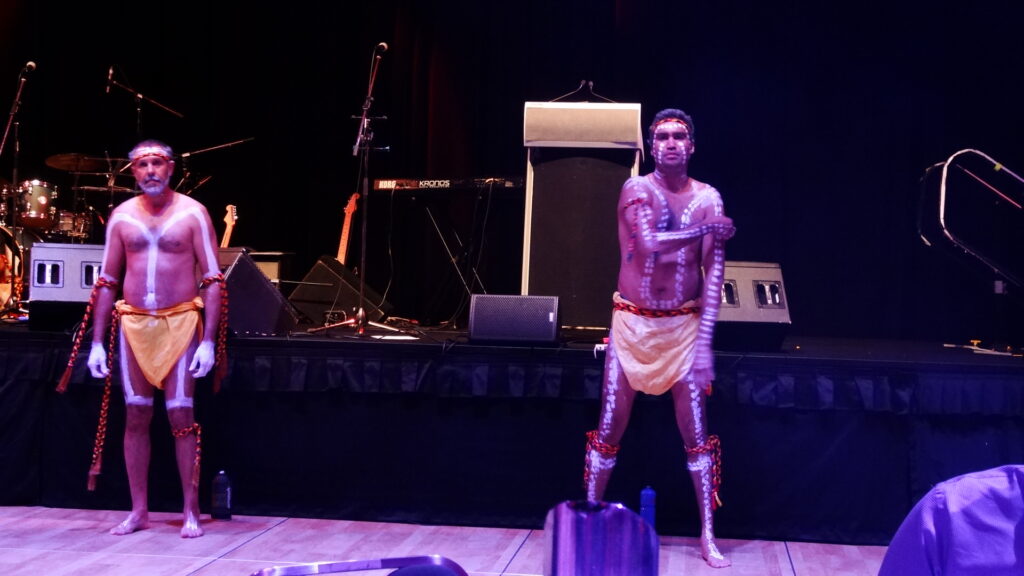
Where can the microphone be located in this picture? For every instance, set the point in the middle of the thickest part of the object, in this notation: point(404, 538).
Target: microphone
point(29, 66)
point(110, 78)
point(382, 47)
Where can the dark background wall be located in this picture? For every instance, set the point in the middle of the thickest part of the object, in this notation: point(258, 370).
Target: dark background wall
point(815, 122)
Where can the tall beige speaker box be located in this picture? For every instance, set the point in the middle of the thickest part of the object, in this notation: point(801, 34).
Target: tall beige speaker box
point(578, 156)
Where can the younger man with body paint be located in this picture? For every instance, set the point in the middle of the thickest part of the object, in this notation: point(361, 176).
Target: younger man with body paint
point(154, 242)
point(672, 230)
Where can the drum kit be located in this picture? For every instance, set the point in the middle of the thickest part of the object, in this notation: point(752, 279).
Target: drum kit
point(34, 211)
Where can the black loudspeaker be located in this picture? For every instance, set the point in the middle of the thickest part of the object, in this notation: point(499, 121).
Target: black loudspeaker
point(330, 293)
point(511, 318)
point(573, 189)
point(255, 305)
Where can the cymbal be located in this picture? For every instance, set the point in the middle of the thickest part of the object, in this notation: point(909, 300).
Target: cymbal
point(73, 162)
point(115, 174)
point(110, 189)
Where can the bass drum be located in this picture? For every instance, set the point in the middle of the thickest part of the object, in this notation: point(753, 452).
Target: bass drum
point(14, 261)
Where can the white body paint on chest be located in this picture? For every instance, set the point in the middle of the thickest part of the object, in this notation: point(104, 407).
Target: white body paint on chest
point(153, 249)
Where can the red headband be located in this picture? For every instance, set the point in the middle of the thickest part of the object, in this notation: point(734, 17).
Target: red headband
point(667, 120)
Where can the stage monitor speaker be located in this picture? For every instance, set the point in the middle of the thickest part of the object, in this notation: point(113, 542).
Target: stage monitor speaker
point(59, 282)
point(513, 318)
point(330, 293)
point(754, 313)
point(255, 305)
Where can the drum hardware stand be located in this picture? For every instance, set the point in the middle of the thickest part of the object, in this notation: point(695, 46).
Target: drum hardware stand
point(362, 148)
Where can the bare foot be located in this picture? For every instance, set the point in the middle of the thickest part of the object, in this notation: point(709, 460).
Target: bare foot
point(712, 556)
point(191, 528)
point(131, 524)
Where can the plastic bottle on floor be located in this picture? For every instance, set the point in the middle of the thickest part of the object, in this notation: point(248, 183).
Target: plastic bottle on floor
point(221, 509)
point(647, 504)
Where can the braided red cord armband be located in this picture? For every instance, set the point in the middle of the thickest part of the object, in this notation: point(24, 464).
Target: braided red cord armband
point(65, 378)
point(222, 330)
point(101, 427)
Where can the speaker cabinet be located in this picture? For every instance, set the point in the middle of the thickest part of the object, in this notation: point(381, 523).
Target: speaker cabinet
point(575, 190)
point(330, 293)
point(63, 272)
point(255, 305)
point(754, 313)
point(513, 318)
point(578, 156)
point(59, 281)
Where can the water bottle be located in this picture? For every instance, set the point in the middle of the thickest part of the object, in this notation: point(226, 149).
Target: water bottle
point(647, 497)
point(221, 497)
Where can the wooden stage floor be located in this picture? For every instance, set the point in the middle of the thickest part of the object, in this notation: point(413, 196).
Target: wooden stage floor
point(54, 541)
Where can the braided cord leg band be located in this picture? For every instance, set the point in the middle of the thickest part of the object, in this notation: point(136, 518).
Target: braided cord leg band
point(713, 447)
point(197, 430)
point(601, 448)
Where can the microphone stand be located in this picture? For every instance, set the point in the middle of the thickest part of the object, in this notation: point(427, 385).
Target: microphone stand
point(13, 302)
point(139, 99)
point(362, 148)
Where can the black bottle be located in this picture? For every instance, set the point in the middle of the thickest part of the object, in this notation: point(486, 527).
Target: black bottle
point(221, 497)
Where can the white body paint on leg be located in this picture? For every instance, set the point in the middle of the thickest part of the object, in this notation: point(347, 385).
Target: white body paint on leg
point(701, 464)
point(181, 398)
point(130, 397)
point(598, 463)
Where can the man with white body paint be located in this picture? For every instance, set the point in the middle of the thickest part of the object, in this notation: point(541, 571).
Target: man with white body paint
point(154, 243)
point(672, 230)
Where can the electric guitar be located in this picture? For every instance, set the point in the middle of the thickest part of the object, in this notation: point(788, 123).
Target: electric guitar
point(229, 219)
point(346, 228)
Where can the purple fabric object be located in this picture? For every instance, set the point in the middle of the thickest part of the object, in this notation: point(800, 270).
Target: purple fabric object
point(970, 525)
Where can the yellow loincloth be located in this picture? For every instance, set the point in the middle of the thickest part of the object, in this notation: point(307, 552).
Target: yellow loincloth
point(158, 338)
point(654, 353)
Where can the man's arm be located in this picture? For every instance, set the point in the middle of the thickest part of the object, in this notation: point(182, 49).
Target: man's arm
point(646, 239)
point(205, 247)
point(719, 226)
point(106, 292)
point(713, 268)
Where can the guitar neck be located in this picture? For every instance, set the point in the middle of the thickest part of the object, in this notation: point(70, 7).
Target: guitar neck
point(346, 228)
point(343, 244)
point(229, 221)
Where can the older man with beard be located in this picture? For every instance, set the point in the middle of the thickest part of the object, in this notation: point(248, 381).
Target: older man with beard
point(154, 244)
